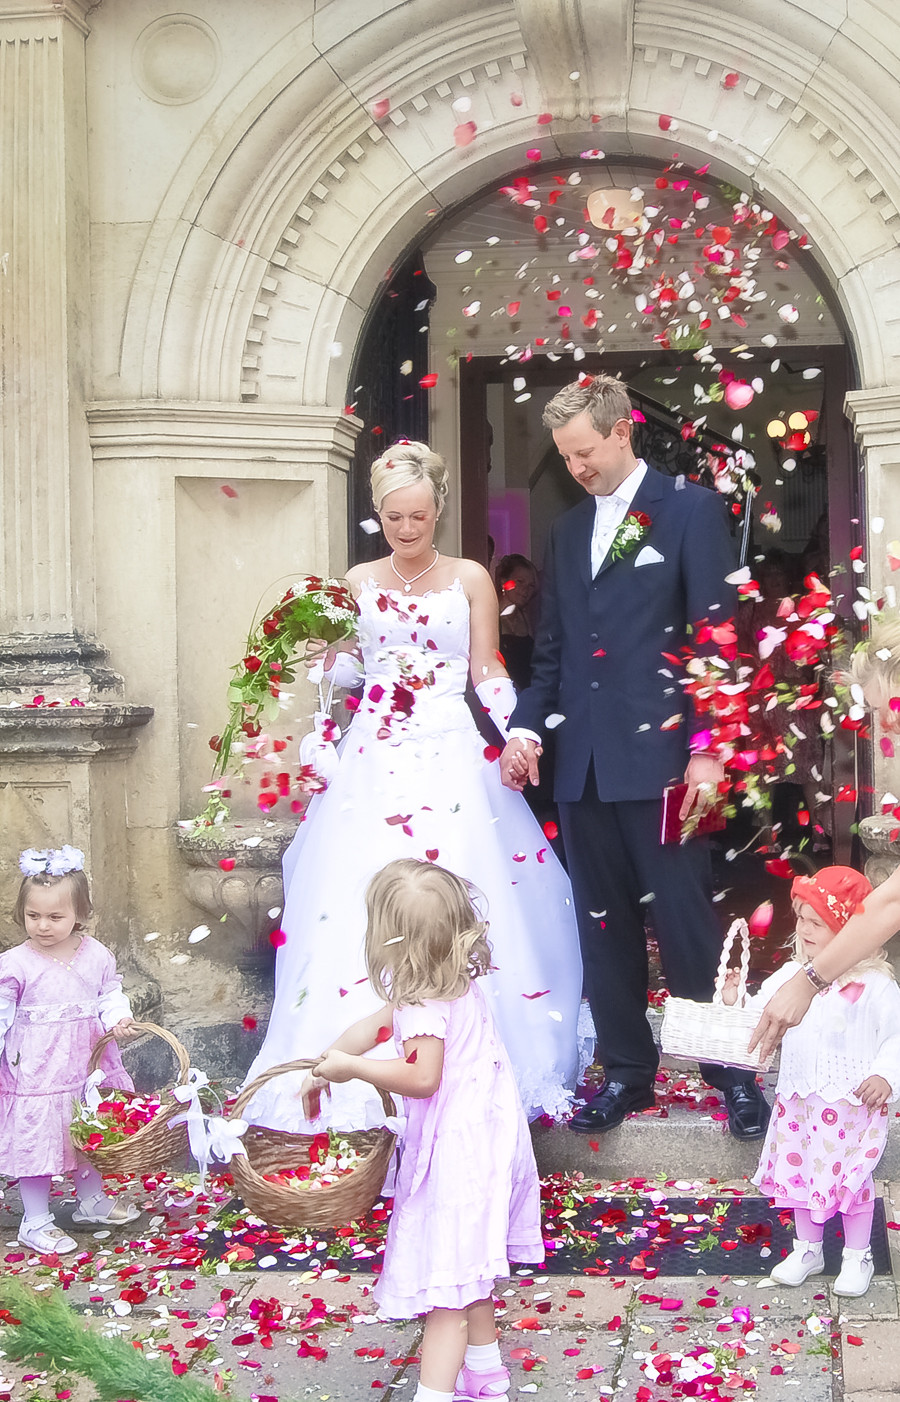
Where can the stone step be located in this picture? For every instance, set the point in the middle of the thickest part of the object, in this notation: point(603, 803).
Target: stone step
point(685, 1144)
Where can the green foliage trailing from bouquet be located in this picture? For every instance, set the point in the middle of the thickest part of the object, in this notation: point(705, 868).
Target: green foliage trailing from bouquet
point(44, 1331)
point(312, 608)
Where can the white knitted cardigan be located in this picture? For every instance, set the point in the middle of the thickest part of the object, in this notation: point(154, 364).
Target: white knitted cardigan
point(842, 1039)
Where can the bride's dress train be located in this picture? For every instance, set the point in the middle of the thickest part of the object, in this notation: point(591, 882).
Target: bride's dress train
point(414, 781)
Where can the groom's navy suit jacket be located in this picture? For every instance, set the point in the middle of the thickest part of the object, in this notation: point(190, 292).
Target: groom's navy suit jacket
point(598, 657)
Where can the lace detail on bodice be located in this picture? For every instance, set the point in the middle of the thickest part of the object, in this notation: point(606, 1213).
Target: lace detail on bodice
point(415, 649)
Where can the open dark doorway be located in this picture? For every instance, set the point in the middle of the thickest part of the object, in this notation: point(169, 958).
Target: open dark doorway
point(806, 515)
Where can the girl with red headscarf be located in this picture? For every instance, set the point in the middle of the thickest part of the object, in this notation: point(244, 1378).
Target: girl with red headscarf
point(839, 1069)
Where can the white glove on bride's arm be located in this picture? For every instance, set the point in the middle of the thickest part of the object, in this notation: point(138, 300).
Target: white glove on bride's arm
point(498, 697)
point(346, 670)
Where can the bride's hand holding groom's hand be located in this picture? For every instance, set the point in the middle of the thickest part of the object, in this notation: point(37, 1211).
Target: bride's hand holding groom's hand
point(519, 763)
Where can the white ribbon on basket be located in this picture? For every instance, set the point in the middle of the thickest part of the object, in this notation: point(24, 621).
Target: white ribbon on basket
point(224, 1137)
point(209, 1136)
point(188, 1095)
point(91, 1095)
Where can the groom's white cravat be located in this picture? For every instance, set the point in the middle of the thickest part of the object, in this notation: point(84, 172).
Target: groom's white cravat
point(610, 512)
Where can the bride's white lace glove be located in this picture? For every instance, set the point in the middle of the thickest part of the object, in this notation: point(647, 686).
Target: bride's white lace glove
point(346, 670)
point(498, 697)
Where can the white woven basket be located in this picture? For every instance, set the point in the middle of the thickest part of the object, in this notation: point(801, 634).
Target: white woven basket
point(717, 1032)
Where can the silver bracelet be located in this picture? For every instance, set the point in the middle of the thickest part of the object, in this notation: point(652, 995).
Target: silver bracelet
point(816, 979)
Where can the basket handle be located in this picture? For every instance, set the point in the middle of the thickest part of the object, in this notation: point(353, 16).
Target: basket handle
point(304, 1064)
point(737, 928)
point(184, 1064)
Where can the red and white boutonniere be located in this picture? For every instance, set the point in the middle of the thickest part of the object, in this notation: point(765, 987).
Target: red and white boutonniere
point(629, 535)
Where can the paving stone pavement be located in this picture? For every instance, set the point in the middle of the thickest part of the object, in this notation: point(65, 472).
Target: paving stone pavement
point(568, 1339)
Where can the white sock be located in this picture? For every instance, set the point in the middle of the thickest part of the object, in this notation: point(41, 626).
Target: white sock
point(431, 1394)
point(481, 1358)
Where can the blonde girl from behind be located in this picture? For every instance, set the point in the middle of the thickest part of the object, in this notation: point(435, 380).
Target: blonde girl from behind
point(467, 1199)
point(59, 992)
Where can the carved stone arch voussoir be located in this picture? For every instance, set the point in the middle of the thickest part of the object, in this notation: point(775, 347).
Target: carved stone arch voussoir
point(357, 214)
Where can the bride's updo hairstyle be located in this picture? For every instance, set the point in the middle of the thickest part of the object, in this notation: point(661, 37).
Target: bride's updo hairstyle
point(875, 664)
point(406, 465)
point(424, 937)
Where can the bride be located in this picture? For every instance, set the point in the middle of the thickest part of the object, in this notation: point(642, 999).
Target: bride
point(415, 779)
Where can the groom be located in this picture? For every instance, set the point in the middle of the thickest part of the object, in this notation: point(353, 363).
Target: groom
point(628, 572)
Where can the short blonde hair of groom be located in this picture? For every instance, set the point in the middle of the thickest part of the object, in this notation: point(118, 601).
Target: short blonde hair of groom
point(604, 397)
point(424, 937)
point(406, 465)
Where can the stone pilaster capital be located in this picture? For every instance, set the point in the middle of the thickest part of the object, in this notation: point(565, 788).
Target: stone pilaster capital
point(875, 416)
point(23, 12)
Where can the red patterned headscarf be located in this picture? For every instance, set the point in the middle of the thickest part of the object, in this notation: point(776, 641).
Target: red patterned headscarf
point(834, 893)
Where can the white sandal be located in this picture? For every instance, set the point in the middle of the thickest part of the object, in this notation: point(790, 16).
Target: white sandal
point(45, 1237)
point(105, 1212)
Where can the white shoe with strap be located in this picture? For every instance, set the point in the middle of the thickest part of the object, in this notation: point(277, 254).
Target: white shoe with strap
point(857, 1270)
point(42, 1235)
point(105, 1212)
point(806, 1259)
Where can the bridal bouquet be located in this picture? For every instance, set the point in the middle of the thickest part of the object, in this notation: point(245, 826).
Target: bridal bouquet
point(314, 607)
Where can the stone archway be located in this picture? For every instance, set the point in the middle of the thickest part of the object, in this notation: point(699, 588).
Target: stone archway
point(234, 342)
point(257, 276)
point(337, 194)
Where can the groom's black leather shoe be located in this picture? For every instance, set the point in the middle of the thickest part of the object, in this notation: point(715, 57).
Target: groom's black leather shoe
point(748, 1110)
point(610, 1107)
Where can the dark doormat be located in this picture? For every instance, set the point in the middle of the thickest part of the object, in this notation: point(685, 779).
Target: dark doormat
point(585, 1235)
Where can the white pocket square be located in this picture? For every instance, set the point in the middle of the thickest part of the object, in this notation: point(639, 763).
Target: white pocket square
point(648, 556)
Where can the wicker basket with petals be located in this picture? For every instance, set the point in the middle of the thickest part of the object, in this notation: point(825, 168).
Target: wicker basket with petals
point(294, 1203)
point(154, 1146)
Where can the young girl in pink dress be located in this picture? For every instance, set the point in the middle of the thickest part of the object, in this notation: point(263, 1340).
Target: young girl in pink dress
point(839, 1069)
point(59, 992)
point(467, 1199)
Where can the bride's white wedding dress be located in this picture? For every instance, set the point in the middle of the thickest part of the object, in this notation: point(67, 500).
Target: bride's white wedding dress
point(414, 781)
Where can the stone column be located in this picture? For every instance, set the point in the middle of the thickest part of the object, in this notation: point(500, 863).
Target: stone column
point(875, 416)
point(45, 537)
point(65, 729)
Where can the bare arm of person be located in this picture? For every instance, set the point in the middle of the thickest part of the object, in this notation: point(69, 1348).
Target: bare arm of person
point(484, 622)
point(877, 919)
point(359, 1037)
point(417, 1073)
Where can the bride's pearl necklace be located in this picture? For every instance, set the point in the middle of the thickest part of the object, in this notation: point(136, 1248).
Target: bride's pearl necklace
point(408, 583)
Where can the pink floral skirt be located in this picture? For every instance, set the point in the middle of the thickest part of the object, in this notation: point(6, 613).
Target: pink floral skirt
point(821, 1156)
